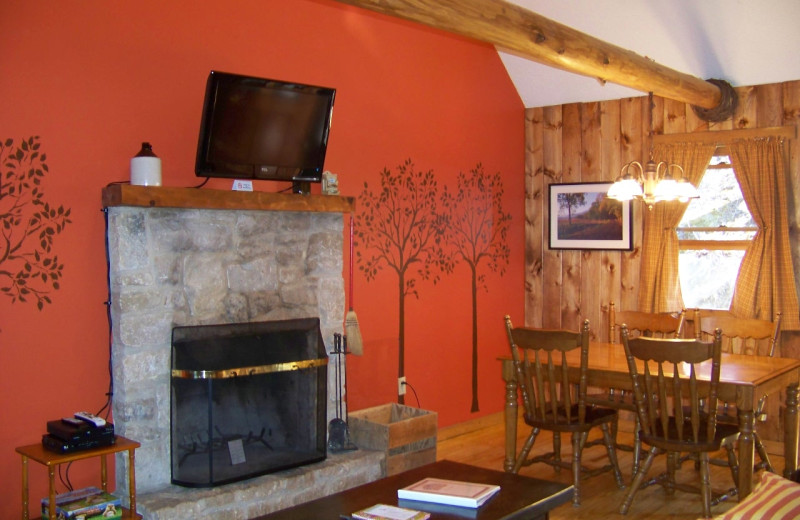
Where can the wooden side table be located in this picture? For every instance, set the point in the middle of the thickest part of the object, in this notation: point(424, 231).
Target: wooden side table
point(51, 459)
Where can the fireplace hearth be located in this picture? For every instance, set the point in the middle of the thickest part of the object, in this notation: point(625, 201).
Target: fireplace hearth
point(247, 399)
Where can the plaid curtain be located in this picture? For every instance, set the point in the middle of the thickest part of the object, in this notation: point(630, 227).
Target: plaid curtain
point(765, 285)
point(659, 283)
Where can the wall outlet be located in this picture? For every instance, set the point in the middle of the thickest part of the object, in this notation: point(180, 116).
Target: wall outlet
point(401, 385)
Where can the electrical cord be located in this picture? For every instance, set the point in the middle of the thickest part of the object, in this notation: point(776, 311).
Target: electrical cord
point(110, 394)
point(415, 394)
point(64, 478)
point(202, 183)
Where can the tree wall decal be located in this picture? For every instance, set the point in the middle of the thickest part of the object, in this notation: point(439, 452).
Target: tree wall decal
point(475, 231)
point(28, 268)
point(397, 228)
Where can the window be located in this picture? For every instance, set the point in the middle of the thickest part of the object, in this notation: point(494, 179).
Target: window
point(712, 236)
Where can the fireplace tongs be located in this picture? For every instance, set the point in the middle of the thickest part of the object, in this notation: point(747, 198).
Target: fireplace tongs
point(338, 432)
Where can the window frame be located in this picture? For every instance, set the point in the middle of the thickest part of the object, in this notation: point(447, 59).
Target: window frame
point(716, 245)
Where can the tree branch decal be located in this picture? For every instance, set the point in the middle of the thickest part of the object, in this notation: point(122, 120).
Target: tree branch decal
point(475, 231)
point(398, 228)
point(29, 271)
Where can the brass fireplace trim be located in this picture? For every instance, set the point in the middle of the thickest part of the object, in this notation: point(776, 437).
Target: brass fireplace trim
point(249, 371)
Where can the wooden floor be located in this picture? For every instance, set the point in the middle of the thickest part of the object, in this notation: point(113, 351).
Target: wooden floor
point(482, 444)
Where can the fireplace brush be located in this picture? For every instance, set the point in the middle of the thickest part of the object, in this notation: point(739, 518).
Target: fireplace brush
point(351, 329)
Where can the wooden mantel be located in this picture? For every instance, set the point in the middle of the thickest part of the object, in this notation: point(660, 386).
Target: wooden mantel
point(195, 198)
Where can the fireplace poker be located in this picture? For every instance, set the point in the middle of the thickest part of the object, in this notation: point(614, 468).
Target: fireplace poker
point(339, 434)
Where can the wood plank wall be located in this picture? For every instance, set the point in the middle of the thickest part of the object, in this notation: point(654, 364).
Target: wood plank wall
point(589, 142)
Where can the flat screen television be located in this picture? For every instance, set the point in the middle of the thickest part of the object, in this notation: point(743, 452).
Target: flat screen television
point(257, 128)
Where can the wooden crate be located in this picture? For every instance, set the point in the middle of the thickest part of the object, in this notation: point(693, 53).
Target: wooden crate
point(407, 435)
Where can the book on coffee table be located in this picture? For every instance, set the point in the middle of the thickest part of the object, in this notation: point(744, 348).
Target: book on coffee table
point(440, 509)
point(452, 492)
point(386, 512)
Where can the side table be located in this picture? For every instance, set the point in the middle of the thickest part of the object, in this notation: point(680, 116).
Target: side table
point(38, 453)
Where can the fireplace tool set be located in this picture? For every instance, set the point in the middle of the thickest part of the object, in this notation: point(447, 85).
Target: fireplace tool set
point(338, 432)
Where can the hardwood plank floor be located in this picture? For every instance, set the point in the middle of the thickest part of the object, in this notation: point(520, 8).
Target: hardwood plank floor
point(481, 443)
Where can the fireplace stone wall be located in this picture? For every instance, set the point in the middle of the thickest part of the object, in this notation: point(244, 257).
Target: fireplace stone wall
point(170, 267)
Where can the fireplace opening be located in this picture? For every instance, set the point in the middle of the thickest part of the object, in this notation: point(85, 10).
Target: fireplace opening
point(246, 399)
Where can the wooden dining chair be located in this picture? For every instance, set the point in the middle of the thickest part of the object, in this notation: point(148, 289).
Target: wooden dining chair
point(691, 320)
point(552, 403)
point(639, 323)
point(752, 337)
point(748, 336)
point(675, 386)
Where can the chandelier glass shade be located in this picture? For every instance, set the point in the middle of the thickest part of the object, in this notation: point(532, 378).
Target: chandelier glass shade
point(651, 183)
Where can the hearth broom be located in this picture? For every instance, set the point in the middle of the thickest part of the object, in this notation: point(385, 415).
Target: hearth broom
point(351, 330)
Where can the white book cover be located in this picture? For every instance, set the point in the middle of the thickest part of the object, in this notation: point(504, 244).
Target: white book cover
point(387, 512)
point(453, 492)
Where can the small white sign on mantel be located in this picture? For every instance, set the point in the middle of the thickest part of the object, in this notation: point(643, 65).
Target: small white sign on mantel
point(240, 185)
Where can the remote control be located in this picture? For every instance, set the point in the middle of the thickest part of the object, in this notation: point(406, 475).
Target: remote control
point(72, 421)
point(90, 418)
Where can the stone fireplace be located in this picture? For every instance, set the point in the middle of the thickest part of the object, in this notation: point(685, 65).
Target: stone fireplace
point(185, 257)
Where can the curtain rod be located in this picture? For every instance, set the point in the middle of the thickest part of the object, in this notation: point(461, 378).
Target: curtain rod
point(727, 136)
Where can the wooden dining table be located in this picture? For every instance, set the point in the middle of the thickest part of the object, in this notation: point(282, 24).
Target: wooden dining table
point(743, 381)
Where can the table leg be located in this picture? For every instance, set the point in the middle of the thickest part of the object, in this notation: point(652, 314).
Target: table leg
point(51, 470)
point(746, 424)
point(132, 480)
point(511, 425)
point(24, 487)
point(791, 431)
point(103, 473)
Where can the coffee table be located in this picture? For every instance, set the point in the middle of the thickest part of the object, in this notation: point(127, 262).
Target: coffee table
point(519, 497)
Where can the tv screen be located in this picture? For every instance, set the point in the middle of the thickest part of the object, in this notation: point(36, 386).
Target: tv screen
point(257, 128)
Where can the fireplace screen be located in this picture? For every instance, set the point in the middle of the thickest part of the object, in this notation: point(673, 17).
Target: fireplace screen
point(246, 399)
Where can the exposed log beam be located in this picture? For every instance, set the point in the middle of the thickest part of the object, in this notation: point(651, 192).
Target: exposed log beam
point(530, 35)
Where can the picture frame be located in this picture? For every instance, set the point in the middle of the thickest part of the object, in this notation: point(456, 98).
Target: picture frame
point(582, 217)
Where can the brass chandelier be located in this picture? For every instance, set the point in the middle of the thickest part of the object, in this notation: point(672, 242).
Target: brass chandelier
point(653, 182)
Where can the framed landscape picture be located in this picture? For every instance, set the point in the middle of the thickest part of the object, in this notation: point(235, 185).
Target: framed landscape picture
point(582, 217)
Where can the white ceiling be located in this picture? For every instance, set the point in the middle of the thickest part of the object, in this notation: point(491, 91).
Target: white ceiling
point(745, 42)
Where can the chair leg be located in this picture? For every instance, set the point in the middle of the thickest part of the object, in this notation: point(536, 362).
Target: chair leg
point(762, 454)
point(577, 441)
point(637, 444)
point(526, 449)
point(672, 464)
point(733, 464)
point(610, 443)
point(637, 480)
point(557, 450)
point(705, 484)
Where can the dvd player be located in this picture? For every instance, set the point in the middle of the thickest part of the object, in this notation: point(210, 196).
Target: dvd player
point(53, 443)
point(65, 436)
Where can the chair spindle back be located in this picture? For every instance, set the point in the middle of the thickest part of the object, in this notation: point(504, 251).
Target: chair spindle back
point(540, 360)
point(752, 337)
point(675, 387)
point(650, 324)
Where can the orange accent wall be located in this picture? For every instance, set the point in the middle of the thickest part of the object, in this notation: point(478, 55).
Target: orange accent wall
point(94, 79)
